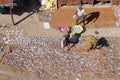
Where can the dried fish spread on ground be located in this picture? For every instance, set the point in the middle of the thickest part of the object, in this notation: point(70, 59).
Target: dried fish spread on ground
point(43, 56)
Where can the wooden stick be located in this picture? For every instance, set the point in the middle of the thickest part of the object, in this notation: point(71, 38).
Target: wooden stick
point(12, 15)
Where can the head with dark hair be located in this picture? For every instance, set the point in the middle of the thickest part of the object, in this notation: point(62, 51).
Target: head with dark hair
point(102, 42)
point(80, 7)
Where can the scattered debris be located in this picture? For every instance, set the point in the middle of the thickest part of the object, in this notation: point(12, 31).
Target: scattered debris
point(5, 25)
point(45, 16)
point(46, 25)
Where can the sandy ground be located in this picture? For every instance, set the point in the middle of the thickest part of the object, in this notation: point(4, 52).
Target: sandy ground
point(30, 24)
point(95, 17)
point(99, 18)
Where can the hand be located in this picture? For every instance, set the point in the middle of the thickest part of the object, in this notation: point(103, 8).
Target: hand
point(74, 16)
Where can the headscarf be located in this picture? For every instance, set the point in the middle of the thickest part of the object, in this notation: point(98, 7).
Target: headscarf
point(77, 29)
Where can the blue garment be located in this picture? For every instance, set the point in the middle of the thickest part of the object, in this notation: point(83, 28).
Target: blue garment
point(3, 10)
point(74, 39)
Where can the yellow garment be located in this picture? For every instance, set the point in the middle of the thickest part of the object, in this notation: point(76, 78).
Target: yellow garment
point(91, 42)
point(77, 29)
point(52, 1)
point(50, 4)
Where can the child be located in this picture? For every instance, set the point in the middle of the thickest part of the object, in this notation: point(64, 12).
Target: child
point(80, 15)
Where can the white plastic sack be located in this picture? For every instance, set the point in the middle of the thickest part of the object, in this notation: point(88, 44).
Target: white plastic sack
point(44, 2)
point(46, 25)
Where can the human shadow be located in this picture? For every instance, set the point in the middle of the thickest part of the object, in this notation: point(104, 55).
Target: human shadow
point(102, 42)
point(93, 16)
point(23, 18)
point(23, 6)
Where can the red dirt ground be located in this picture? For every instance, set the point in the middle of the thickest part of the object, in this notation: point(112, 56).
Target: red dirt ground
point(96, 17)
